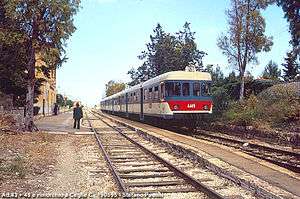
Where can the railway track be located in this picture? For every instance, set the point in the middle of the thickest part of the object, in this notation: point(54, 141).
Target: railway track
point(124, 149)
point(284, 158)
point(129, 160)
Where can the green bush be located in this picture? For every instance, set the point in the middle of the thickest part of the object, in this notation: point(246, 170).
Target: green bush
point(281, 103)
point(276, 105)
point(220, 100)
point(245, 113)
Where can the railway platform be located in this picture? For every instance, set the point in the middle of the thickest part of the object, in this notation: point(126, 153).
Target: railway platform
point(247, 170)
point(61, 124)
point(79, 166)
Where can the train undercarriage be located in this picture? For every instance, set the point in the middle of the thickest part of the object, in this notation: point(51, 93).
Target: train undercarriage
point(179, 120)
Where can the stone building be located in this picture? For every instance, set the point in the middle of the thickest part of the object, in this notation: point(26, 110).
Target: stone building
point(47, 98)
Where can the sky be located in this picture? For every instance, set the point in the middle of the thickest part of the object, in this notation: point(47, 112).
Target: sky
point(112, 33)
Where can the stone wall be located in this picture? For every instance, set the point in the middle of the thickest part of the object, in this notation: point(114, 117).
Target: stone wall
point(6, 102)
point(10, 117)
point(13, 118)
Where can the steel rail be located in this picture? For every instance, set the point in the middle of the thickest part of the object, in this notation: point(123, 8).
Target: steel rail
point(286, 152)
point(189, 179)
point(117, 178)
point(261, 192)
point(247, 149)
point(233, 142)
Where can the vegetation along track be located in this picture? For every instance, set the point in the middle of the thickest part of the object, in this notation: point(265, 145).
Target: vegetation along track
point(154, 165)
point(283, 158)
point(128, 159)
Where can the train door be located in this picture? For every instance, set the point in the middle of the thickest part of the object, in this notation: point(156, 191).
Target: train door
point(126, 104)
point(120, 104)
point(161, 98)
point(142, 104)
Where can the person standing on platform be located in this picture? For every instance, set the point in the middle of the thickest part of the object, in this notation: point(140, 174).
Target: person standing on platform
point(55, 109)
point(77, 115)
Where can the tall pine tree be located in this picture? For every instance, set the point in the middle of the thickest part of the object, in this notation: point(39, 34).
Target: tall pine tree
point(166, 52)
point(271, 71)
point(291, 9)
point(189, 53)
point(291, 68)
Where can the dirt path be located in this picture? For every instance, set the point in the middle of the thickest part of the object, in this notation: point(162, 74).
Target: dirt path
point(57, 160)
point(64, 177)
point(80, 167)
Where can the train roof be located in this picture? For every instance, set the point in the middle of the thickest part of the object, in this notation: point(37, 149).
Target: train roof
point(173, 75)
point(135, 87)
point(179, 75)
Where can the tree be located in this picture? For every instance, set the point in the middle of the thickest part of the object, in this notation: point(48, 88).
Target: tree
point(245, 37)
point(292, 14)
point(158, 57)
point(13, 60)
point(189, 54)
point(44, 27)
point(271, 71)
point(166, 52)
point(291, 67)
point(60, 100)
point(113, 87)
point(217, 75)
point(69, 103)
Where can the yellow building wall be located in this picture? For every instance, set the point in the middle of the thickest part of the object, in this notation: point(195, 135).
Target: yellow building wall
point(47, 98)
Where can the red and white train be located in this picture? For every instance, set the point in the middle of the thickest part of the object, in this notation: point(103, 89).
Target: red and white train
point(175, 95)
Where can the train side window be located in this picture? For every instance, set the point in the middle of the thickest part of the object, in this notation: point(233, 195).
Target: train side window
point(173, 89)
point(156, 92)
point(169, 89)
point(186, 89)
point(162, 91)
point(205, 88)
point(177, 88)
point(137, 96)
point(196, 89)
point(150, 93)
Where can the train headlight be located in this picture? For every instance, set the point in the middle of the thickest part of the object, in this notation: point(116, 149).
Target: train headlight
point(205, 107)
point(176, 107)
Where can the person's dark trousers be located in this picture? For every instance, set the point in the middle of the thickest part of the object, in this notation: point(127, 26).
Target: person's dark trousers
point(77, 123)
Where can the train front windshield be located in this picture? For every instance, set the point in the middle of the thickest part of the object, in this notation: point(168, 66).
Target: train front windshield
point(173, 89)
point(187, 88)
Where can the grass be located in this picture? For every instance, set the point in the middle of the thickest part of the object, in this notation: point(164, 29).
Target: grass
point(15, 167)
